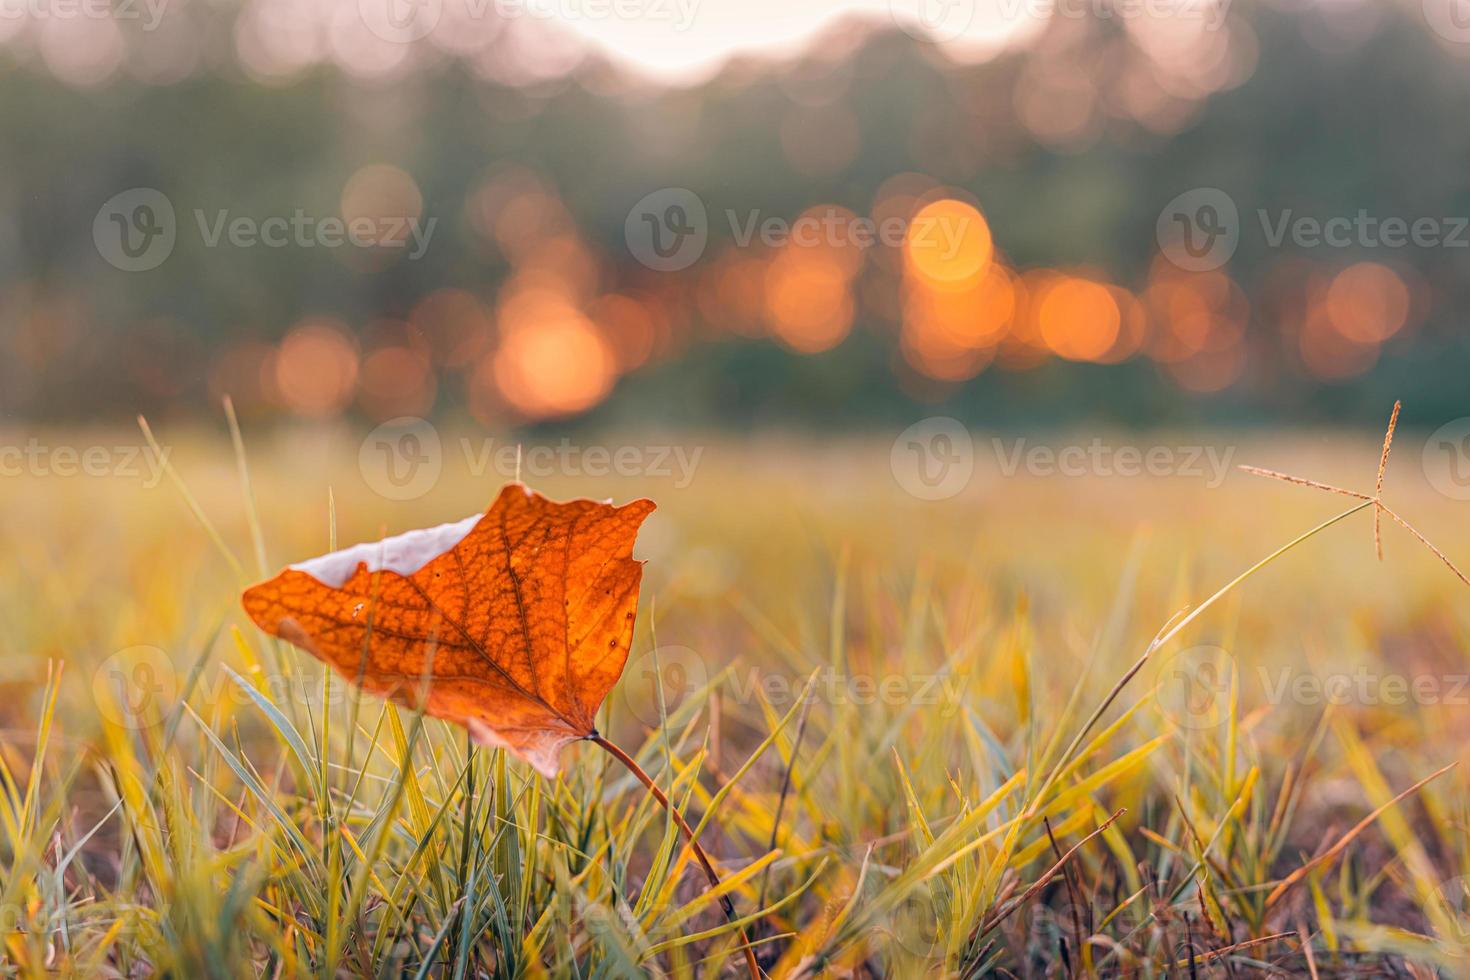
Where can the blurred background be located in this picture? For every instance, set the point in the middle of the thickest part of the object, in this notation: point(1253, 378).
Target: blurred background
point(734, 212)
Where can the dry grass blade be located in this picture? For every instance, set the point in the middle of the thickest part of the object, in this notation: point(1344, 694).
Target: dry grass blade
point(1393, 421)
point(1376, 499)
point(1171, 629)
point(1428, 544)
point(1302, 481)
point(1215, 954)
point(781, 797)
point(1306, 937)
point(1347, 838)
point(190, 500)
point(1046, 878)
point(1074, 889)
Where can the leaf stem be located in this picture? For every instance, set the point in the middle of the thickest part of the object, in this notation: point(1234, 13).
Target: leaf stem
point(673, 811)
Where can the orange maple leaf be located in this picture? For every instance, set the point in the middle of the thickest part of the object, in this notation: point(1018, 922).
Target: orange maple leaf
point(514, 623)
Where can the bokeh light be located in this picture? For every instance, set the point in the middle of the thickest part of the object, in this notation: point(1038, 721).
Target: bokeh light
point(1078, 318)
point(550, 364)
point(315, 368)
point(1368, 302)
point(948, 244)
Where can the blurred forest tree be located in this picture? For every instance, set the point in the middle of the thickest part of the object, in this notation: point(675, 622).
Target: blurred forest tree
point(1325, 122)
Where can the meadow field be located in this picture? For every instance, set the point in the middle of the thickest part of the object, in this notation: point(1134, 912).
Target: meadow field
point(908, 731)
